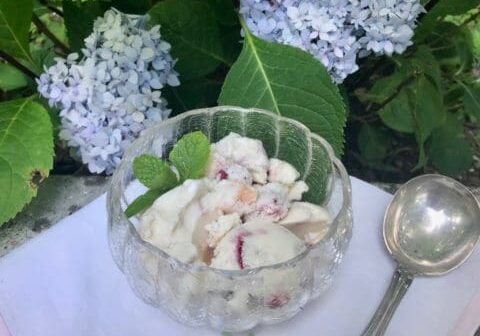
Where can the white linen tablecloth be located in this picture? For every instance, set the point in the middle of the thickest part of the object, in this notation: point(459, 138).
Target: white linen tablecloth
point(65, 283)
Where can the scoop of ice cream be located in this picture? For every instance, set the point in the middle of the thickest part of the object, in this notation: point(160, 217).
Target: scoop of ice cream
point(219, 228)
point(223, 169)
point(297, 190)
point(307, 221)
point(230, 196)
point(233, 151)
point(282, 172)
point(272, 202)
point(254, 244)
point(160, 224)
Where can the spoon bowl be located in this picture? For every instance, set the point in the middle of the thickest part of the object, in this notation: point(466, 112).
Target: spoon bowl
point(430, 228)
point(432, 225)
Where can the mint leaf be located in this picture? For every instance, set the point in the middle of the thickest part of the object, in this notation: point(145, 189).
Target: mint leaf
point(190, 155)
point(142, 202)
point(154, 173)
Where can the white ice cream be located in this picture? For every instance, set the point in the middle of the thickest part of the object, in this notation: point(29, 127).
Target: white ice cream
point(254, 244)
point(245, 213)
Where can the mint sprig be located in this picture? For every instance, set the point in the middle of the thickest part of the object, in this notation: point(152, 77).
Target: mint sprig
point(153, 172)
point(190, 157)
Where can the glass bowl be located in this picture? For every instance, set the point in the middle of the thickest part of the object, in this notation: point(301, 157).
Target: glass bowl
point(233, 300)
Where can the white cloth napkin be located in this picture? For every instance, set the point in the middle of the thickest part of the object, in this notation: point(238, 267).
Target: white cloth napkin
point(65, 283)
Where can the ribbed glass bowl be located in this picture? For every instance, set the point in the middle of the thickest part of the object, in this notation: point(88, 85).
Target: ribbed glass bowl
point(233, 300)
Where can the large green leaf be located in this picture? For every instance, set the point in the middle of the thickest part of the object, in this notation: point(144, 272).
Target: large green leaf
point(15, 17)
point(26, 153)
point(79, 18)
point(11, 78)
point(192, 30)
point(132, 6)
point(192, 94)
point(440, 10)
point(289, 82)
point(224, 12)
point(450, 153)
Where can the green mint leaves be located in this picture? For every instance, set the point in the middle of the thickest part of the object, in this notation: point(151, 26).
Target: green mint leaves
point(142, 202)
point(153, 172)
point(190, 157)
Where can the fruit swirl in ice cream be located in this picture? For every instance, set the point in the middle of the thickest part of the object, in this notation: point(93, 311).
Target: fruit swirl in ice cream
point(246, 212)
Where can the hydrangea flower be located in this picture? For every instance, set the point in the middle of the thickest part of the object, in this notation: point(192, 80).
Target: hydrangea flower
point(113, 92)
point(335, 31)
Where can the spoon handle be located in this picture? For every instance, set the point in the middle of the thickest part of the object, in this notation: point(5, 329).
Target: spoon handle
point(401, 280)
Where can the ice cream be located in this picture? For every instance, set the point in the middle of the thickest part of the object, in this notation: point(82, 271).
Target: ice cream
point(254, 244)
point(245, 213)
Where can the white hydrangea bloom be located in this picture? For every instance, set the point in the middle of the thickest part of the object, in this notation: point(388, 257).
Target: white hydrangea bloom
point(113, 93)
point(335, 31)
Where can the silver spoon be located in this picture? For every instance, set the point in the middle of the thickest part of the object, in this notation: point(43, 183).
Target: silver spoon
point(430, 228)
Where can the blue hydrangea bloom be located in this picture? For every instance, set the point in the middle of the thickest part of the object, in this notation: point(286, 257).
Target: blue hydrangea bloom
point(113, 92)
point(335, 32)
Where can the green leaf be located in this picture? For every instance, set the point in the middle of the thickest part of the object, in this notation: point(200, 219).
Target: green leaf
point(230, 39)
point(131, 6)
point(190, 155)
point(26, 153)
point(11, 78)
point(418, 109)
point(55, 26)
point(43, 55)
point(154, 173)
point(450, 153)
point(192, 30)
point(224, 12)
point(373, 143)
point(192, 94)
point(428, 110)
point(142, 202)
point(289, 82)
point(440, 10)
point(422, 63)
point(471, 101)
point(396, 114)
point(386, 86)
point(15, 17)
point(79, 18)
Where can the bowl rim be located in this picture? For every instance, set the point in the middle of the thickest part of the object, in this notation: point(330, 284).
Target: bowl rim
point(115, 192)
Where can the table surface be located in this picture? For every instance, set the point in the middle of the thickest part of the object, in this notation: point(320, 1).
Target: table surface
point(59, 197)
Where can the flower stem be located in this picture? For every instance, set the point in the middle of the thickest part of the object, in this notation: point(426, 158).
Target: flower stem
point(42, 28)
point(12, 61)
point(52, 8)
